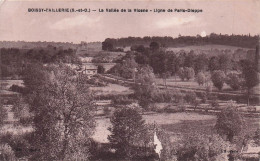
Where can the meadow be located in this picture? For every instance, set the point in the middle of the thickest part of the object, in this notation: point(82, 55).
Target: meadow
point(174, 123)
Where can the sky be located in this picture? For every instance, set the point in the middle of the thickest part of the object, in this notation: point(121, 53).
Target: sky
point(225, 17)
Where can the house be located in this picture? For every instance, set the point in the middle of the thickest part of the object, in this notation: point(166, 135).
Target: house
point(88, 69)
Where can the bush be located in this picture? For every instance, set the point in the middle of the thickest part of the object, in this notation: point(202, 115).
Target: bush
point(190, 97)
point(16, 88)
point(106, 110)
point(122, 100)
point(203, 96)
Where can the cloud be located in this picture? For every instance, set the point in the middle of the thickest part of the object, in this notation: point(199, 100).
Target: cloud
point(175, 21)
point(71, 22)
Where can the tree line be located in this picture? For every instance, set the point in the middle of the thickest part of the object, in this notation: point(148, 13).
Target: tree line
point(246, 41)
point(14, 60)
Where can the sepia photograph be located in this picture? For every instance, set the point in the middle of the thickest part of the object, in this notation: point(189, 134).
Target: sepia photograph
point(130, 80)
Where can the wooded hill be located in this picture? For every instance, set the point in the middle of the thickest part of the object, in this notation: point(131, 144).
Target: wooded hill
point(245, 41)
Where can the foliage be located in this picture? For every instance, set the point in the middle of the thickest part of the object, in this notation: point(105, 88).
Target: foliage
point(154, 46)
point(229, 122)
point(186, 73)
point(218, 78)
point(181, 74)
point(138, 48)
point(190, 97)
point(251, 78)
point(213, 38)
point(7, 154)
point(107, 46)
point(144, 88)
point(201, 78)
point(16, 88)
point(63, 110)
point(100, 69)
point(202, 147)
point(234, 81)
point(250, 75)
point(3, 114)
point(14, 60)
point(189, 73)
point(125, 69)
point(127, 132)
point(145, 76)
point(121, 100)
point(257, 137)
point(106, 110)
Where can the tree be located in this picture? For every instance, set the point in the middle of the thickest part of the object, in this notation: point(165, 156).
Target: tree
point(251, 79)
point(229, 122)
point(144, 88)
point(201, 78)
point(107, 46)
point(181, 74)
point(224, 62)
point(214, 63)
point(128, 129)
point(201, 63)
point(154, 46)
point(186, 72)
point(256, 136)
point(100, 69)
point(63, 115)
point(234, 81)
point(202, 147)
point(3, 114)
point(190, 97)
point(218, 79)
point(189, 73)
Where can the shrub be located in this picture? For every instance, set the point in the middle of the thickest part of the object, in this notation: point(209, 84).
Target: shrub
point(16, 88)
point(106, 110)
point(190, 97)
point(122, 100)
point(203, 96)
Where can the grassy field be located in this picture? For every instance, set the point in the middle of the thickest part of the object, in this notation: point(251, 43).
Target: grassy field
point(112, 89)
point(175, 123)
point(206, 48)
point(164, 120)
point(172, 81)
